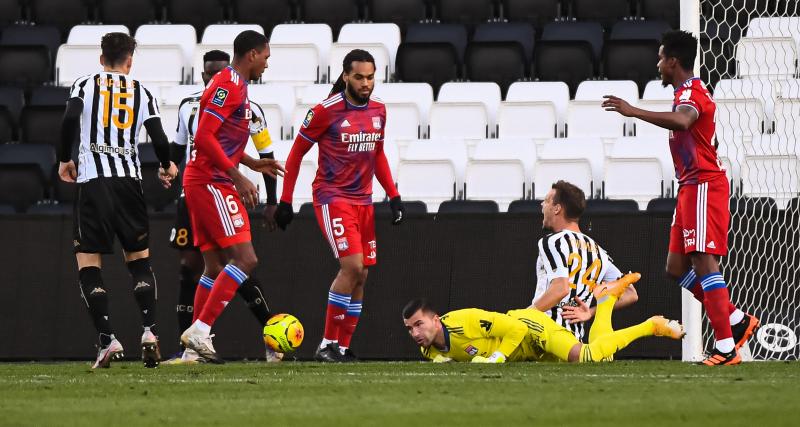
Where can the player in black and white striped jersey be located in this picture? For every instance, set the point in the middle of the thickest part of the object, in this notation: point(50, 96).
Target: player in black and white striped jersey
point(110, 108)
point(181, 236)
point(571, 263)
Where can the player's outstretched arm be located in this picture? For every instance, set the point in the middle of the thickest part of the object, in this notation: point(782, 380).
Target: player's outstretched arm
point(69, 129)
point(558, 289)
point(680, 119)
point(284, 213)
point(509, 330)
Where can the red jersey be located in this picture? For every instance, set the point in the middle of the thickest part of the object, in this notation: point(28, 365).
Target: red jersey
point(224, 100)
point(693, 150)
point(348, 137)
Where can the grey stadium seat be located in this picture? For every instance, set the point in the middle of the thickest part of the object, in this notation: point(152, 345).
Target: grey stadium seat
point(130, 13)
point(24, 173)
point(520, 32)
point(25, 65)
point(267, 13)
point(537, 12)
point(454, 34)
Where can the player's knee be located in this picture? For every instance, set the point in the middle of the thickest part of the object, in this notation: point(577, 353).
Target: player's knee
point(247, 262)
point(142, 274)
point(352, 272)
point(673, 271)
point(91, 284)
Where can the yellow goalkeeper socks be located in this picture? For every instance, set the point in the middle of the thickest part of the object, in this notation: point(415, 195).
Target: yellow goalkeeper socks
point(615, 341)
point(602, 318)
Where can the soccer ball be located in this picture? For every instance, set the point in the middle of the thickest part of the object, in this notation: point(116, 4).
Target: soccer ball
point(283, 333)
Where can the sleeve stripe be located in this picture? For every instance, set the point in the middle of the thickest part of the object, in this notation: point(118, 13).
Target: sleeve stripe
point(548, 254)
point(222, 119)
point(690, 104)
point(306, 138)
point(556, 244)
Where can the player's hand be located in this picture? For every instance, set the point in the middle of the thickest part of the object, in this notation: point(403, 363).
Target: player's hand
point(612, 103)
point(67, 171)
point(441, 359)
point(166, 176)
point(247, 190)
point(270, 167)
point(496, 357)
point(398, 210)
point(269, 217)
point(576, 314)
point(284, 215)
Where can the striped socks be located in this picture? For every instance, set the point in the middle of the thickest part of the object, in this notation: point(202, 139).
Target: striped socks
point(348, 327)
point(689, 282)
point(223, 290)
point(717, 302)
point(334, 317)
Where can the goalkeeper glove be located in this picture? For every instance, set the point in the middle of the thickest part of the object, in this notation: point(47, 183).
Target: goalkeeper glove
point(284, 214)
point(398, 210)
point(441, 359)
point(496, 357)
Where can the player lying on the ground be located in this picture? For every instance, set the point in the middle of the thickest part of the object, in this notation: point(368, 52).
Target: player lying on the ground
point(480, 336)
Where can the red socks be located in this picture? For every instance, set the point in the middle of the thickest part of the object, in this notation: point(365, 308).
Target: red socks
point(224, 290)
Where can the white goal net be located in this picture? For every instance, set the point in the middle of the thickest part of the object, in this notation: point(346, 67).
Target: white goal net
point(749, 57)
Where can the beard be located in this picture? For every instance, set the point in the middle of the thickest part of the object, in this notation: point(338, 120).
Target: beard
point(357, 96)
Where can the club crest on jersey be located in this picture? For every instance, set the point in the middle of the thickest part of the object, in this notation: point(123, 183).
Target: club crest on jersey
point(341, 244)
point(307, 120)
point(376, 122)
point(238, 221)
point(472, 351)
point(219, 97)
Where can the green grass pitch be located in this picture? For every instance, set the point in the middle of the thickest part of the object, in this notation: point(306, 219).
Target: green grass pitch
point(623, 393)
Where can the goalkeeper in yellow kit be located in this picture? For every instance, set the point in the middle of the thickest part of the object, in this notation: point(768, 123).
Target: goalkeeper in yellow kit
point(480, 336)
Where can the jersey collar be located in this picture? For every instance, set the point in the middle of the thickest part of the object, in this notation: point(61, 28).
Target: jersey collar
point(446, 339)
point(349, 106)
point(688, 83)
point(233, 70)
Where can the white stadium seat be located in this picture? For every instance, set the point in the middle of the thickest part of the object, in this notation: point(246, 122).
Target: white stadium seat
point(787, 117)
point(783, 26)
point(514, 120)
point(772, 169)
point(407, 108)
point(91, 34)
point(314, 94)
point(639, 169)
point(308, 170)
point(576, 160)
point(762, 89)
point(646, 129)
point(738, 119)
point(197, 60)
point(425, 160)
point(487, 93)
point(393, 158)
point(656, 91)
point(277, 101)
point(589, 119)
point(500, 170)
point(226, 33)
point(291, 48)
point(590, 93)
point(459, 120)
point(175, 94)
point(385, 34)
point(555, 92)
point(766, 56)
point(158, 65)
point(182, 35)
point(594, 90)
point(340, 50)
point(74, 61)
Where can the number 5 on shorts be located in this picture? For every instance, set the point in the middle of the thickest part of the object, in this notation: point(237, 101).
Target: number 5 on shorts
point(338, 228)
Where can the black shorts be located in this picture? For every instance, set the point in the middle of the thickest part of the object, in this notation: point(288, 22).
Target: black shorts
point(106, 207)
point(181, 236)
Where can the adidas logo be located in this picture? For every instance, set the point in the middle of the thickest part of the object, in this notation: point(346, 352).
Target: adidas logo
point(141, 285)
point(339, 317)
point(345, 124)
point(711, 245)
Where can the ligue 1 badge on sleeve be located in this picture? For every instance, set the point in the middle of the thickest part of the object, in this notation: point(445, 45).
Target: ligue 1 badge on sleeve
point(307, 120)
point(376, 122)
point(219, 97)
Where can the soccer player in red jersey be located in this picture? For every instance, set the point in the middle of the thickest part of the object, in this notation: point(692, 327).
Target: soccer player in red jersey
point(349, 128)
point(699, 233)
point(213, 186)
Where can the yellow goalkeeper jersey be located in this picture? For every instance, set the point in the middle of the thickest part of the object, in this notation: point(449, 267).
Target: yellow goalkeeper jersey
point(474, 332)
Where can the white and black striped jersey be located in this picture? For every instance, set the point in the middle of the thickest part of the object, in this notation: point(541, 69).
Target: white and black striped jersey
point(188, 117)
point(582, 261)
point(114, 108)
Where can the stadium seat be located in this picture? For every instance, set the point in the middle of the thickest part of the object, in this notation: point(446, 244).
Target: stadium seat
point(278, 103)
point(299, 53)
point(576, 160)
point(423, 159)
point(566, 61)
point(130, 13)
point(514, 120)
point(340, 50)
point(610, 12)
point(639, 30)
point(456, 207)
point(75, 61)
point(90, 35)
point(787, 117)
point(25, 65)
point(32, 35)
point(308, 170)
point(774, 57)
point(197, 13)
point(392, 152)
point(656, 91)
point(468, 120)
point(10, 12)
point(519, 32)
point(467, 12)
point(501, 171)
point(589, 32)
point(526, 207)
point(610, 207)
point(454, 34)
point(662, 206)
point(226, 33)
point(645, 129)
point(631, 52)
point(266, 13)
point(771, 169)
point(8, 126)
point(407, 108)
point(24, 173)
point(169, 35)
point(536, 12)
point(63, 14)
point(779, 26)
point(155, 195)
point(400, 12)
point(335, 13)
point(661, 10)
point(762, 89)
point(12, 99)
point(486, 93)
point(594, 90)
point(50, 96)
point(500, 62)
point(39, 124)
point(738, 118)
point(639, 169)
point(587, 118)
point(175, 94)
point(555, 93)
point(387, 35)
point(314, 94)
point(431, 63)
point(157, 66)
